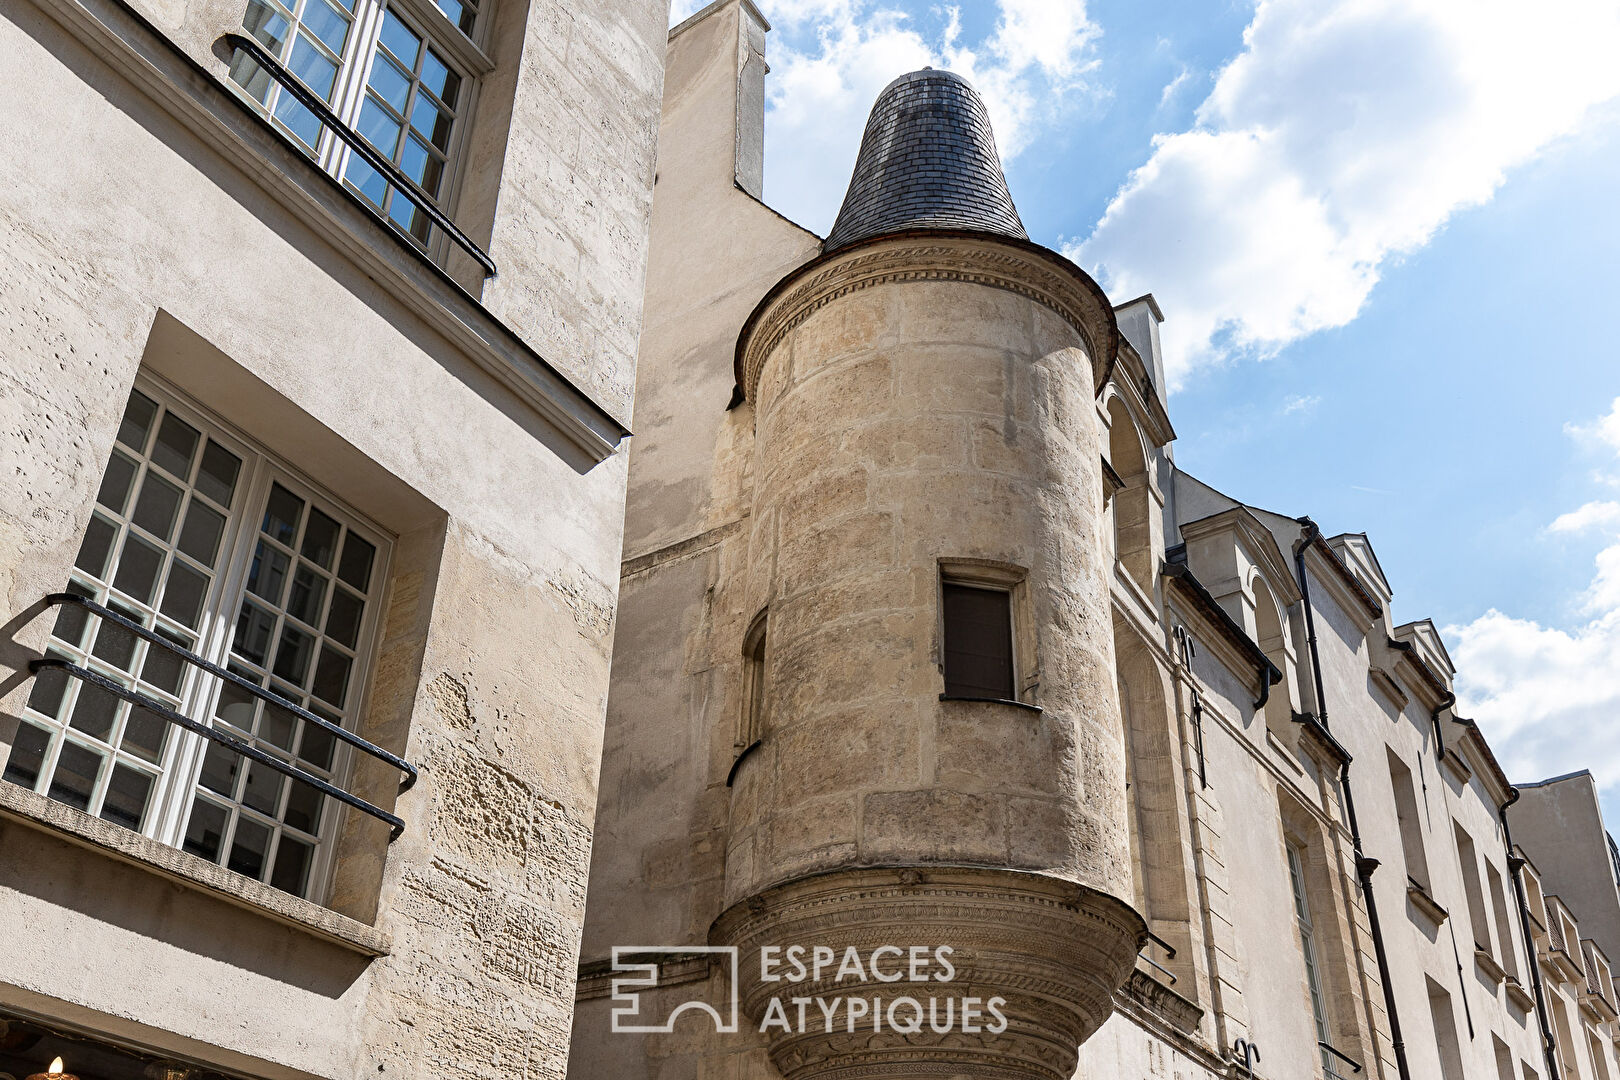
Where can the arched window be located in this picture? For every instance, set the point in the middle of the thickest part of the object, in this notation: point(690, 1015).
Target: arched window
point(1131, 504)
point(1270, 630)
point(751, 724)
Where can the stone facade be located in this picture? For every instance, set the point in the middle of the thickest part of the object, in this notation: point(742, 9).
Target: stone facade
point(157, 233)
point(1218, 732)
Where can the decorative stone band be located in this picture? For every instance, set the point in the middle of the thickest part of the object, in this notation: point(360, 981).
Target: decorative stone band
point(999, 262)
point(1055, 951)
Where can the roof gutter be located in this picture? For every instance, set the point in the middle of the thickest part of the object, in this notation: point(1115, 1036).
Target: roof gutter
point(1515, 868)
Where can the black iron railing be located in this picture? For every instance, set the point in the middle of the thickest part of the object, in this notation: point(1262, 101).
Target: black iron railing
point(357, 142)
point(1330, 1055)
point(216, 735)
point(1169, 954)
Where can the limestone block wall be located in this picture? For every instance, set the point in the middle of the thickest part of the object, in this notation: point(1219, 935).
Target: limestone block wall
point(132, 244)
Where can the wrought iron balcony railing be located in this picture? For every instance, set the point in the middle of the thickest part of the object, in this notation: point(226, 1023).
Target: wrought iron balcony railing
point(356, 142)
point(224, 738)
point(1169, 954)
point(1331, 1059)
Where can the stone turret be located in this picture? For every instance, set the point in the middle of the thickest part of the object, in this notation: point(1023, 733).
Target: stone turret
point(923, 400)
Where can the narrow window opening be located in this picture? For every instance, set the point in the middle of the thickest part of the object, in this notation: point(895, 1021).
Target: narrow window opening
point(1308, 949)
point(1406, 810)
point(752, 728)
point(978, 650)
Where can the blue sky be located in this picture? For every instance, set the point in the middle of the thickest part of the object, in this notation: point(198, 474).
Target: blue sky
point(1384, 236)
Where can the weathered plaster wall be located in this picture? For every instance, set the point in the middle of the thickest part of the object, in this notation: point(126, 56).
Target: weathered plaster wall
point(125, 242)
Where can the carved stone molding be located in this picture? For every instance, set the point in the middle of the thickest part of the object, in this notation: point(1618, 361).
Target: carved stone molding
point(977, 259)
point(1054, 950)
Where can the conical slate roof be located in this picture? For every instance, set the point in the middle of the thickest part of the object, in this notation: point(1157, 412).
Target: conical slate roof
point(928, 161)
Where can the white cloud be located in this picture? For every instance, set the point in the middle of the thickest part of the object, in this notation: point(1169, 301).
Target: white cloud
point(1547, 697)
point(1343, 135)
point(831, 58)
point(1591, 515)
point(1294, 403)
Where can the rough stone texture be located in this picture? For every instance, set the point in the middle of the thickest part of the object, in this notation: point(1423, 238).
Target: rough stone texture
point(131, 243)
point(928, 161)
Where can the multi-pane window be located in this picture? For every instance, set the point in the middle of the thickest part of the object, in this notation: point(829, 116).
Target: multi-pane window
point(230, 556)
point(1307, 945)
point(378, 66)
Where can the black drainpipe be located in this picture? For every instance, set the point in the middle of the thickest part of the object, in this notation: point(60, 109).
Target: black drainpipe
point(1515, 865)
point(1364, 865)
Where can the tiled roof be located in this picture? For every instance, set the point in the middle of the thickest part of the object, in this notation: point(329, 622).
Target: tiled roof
point(928, 161)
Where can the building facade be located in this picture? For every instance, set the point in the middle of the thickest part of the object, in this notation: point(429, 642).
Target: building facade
point(321, 324)
point(925, 638)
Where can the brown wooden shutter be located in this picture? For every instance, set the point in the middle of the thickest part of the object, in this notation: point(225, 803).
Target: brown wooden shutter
point(978, 642)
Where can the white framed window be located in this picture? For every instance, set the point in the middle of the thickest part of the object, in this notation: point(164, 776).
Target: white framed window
point(396, 71)
point(1307, 946)
point(214, 544)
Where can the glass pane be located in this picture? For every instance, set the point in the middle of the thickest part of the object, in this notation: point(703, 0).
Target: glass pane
point(431, 121)
point(157, 507)
point(50, 685)
point(217, 477)
point(318, 743)
point(268, 574)
point(453, 11)
point(380, 129)
point(312, 66)
point(115, 644)
point(332, 676)
point(137, 422)
point(300, 121)
point(292, 866)
point(400, 40)
point(28, 756)
point(403, 211)
point(303, 808)
point(219, 770)
point(293, 655)
point(327, 23)
point(267, 23)
point(369, 182)
point(126, 798)
point(138, 566)
point(235, 707)
point(114, 492)
point(282, 513)
point(308, 593)
point(145, 732)
point(263, 788)
point(355, 566)
point(253, 630)
point(71, 619)
point(183, 598)
point(246, 73)
point(320, 539)
point(205, 830)
point(343, 618)
point(176, 442)
point(248, 848)
point(94, 711)
point(278, 725)
point(74, 780)
point(162, 668)
point(98, 541)
point(437, 77)
point(199, 536)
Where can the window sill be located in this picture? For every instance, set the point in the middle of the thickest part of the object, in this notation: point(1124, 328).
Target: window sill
point(1518, 995)
point(1487, 963)
point(994, 701)
point(65, 823)
point(1426, 904)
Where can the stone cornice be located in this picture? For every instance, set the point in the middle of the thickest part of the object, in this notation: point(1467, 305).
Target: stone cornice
point(998, 262)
